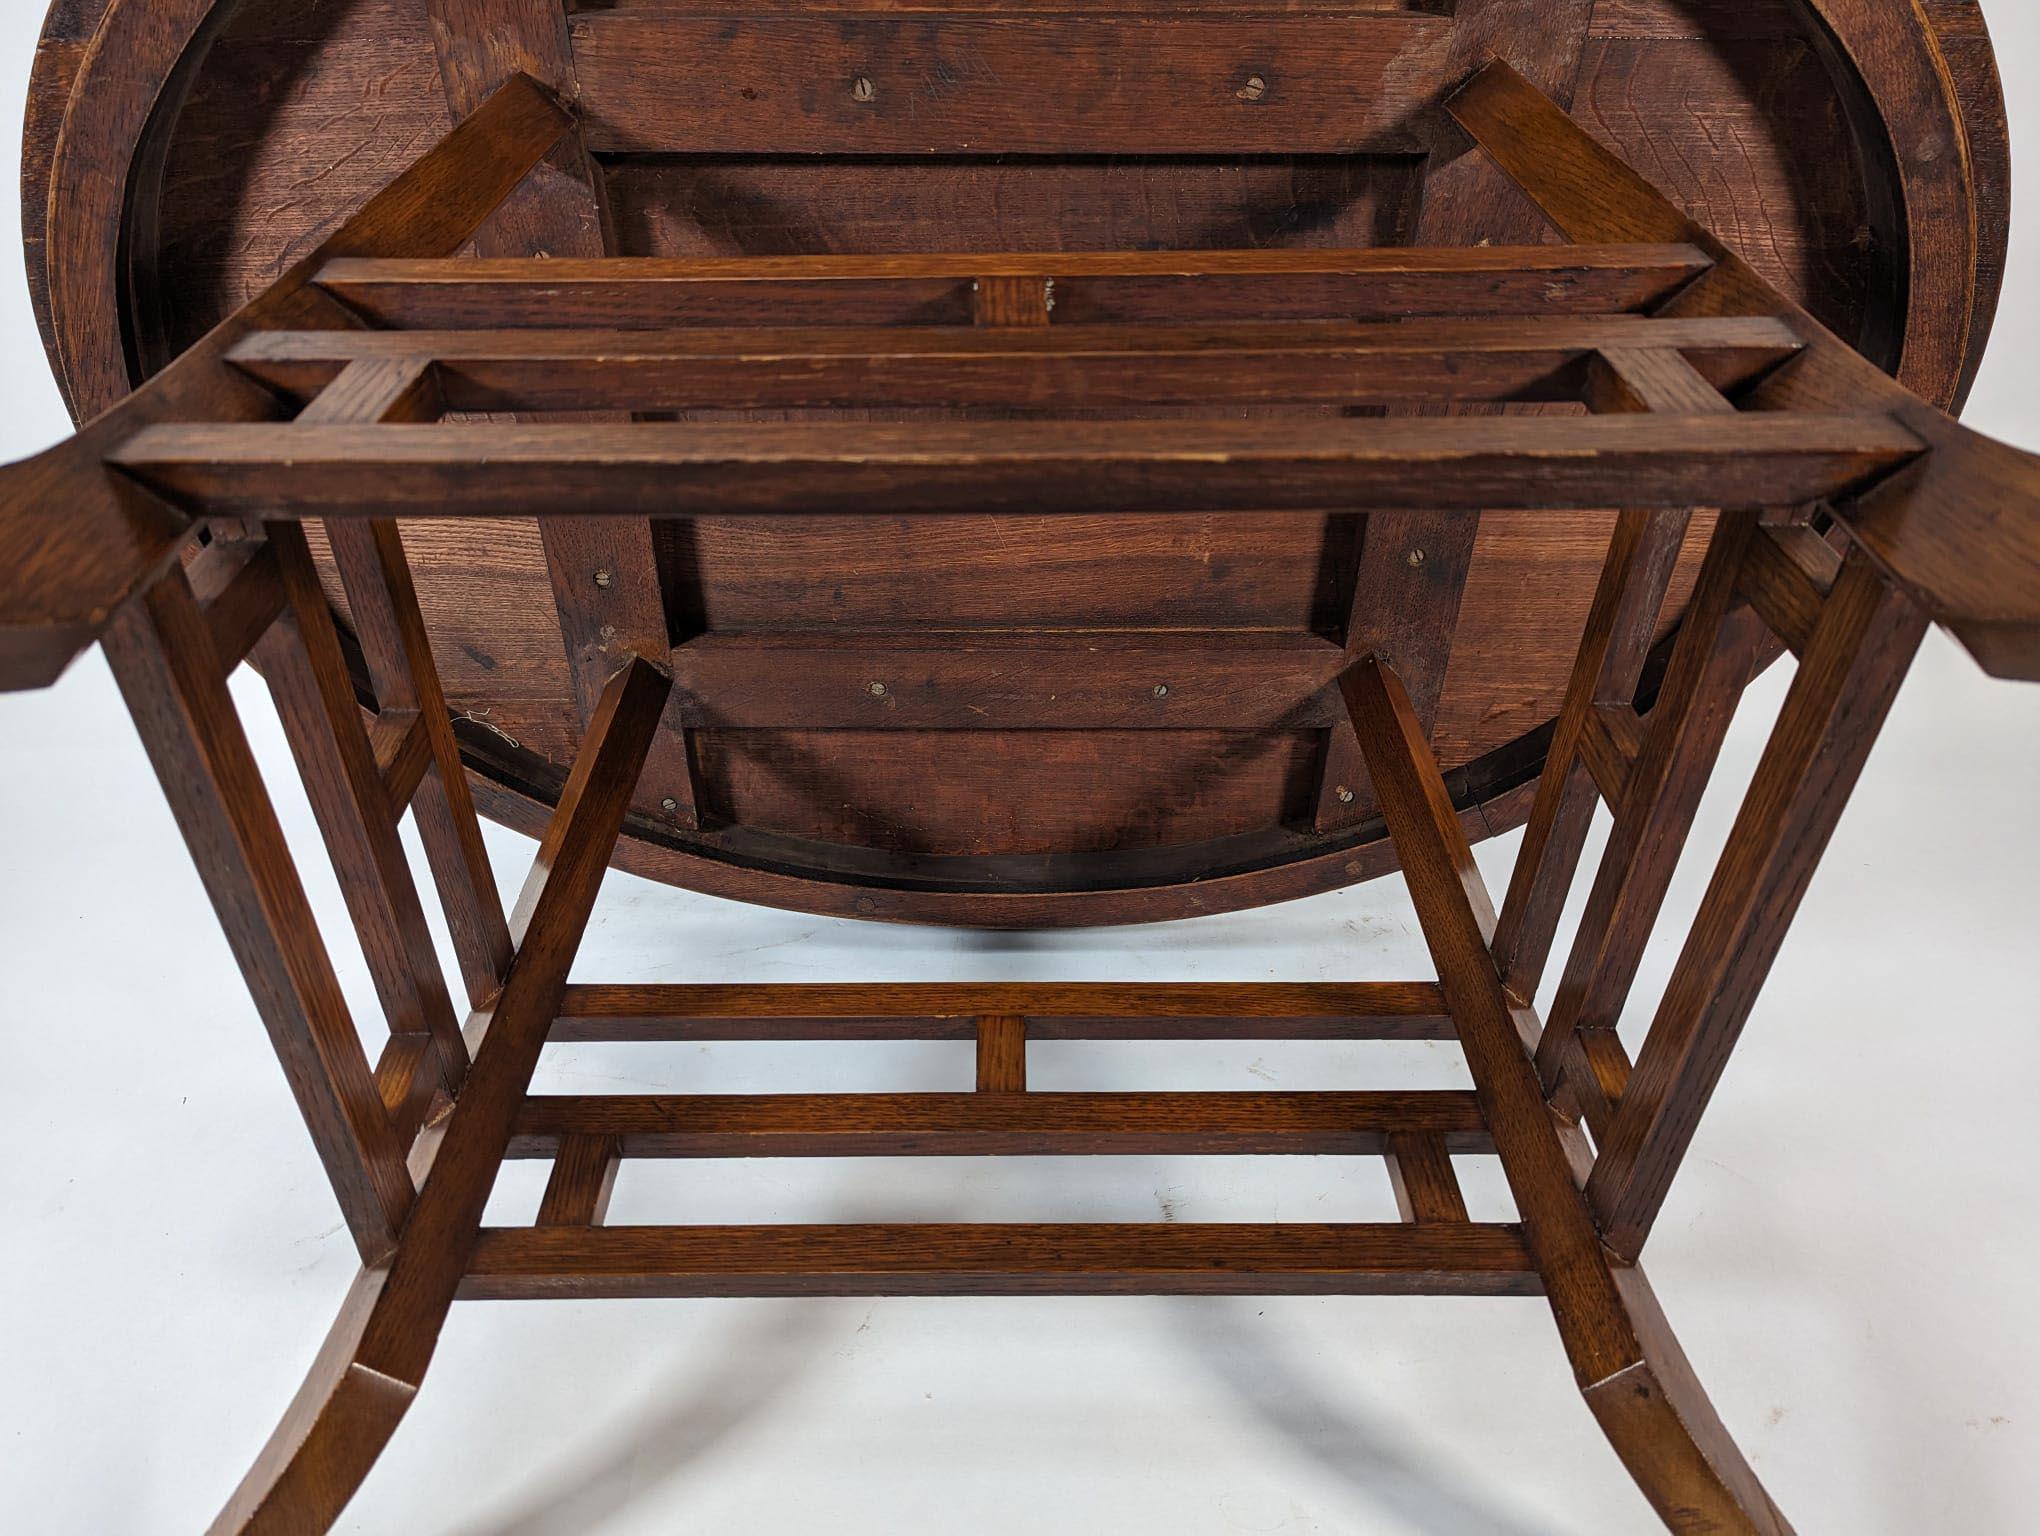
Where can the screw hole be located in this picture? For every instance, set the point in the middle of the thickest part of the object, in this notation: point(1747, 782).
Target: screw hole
point(861, 89)
point(1253, 90)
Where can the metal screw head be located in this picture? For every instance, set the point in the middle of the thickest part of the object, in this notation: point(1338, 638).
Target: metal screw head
point(1253, 90)
point(1345, 795)
point(861, 89)
point(1161, 690)
point(1415, 557)
point(607, 633)
point(669, 805)
point(878, 690)
point(603, 580)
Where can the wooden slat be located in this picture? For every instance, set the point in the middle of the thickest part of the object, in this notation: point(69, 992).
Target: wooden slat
point(408, 1077)
point(1609, 745)
point(1177, 287)
point(655, 470)
point(1409, 580)
point(608, 617)
point(1002, 1055)
point(1654, 379)
point(307, 675)
point(656, 82)
point(1054, 1011)
point(390, 628)
point(1620, 627)
point(1067, 367)
point(174, 687)
point(1012, 301)
point(375, 1357)
point(1008, 1123)
point(977, 680)
point(1597, 1072)
point(403, 752)
point(1420, 1169)
point(1407, 585)
point(237, 585)
point(74, 546)
point(992, 1260)
point(1787, 577)
point(1858, 656)
point(1625, 1359)
point(583, 1178)
point(1711, 661)
point(1458, 921)
point(1959, 532)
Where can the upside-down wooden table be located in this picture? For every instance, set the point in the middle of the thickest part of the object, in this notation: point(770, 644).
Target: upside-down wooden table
point(584, 413)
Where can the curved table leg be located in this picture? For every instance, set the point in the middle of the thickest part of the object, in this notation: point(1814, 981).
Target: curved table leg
point(1658, 1417)
point(331, 1435)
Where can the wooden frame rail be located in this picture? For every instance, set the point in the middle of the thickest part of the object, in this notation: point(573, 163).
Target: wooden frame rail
point(1849, 516)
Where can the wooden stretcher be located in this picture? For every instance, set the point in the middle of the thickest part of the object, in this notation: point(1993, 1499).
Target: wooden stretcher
point(257, 497)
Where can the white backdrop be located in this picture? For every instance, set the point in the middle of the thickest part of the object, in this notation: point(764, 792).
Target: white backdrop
point(1848, 1256)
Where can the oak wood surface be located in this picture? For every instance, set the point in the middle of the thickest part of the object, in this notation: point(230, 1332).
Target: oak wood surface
point(1002, 1122)
point(1000, 1260)
point(1800, 162)
point(1068, 468)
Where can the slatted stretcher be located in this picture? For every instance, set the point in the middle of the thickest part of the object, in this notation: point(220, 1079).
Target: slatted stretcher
point(172, 530)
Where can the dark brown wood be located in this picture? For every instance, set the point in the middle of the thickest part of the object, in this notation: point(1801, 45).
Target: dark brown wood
point(390, 628)
point(176, 690)
point(1420, 1168)
point(1409, 585)
point(605, 580)
point(189, 183)
point(1612, 651)
point(1053, 1011)
point(403, 753)
point(1034, 467)
point(988, 478)
point(1068, 367)
point(1627, 1363)
point(307, 676)
point(1012, 301)
point(1008, 679)
point(1001, 83)
point(583, 1179)
point(235, 581)
point(379, 1349)
point(75, 545)
point(1661, 790)
point(1923, 529)
point(1003, 1121)
point(1786, 577)
point(1090, 287)
point(1858, 655)
point(1002, 1054)
point(1001, 1260)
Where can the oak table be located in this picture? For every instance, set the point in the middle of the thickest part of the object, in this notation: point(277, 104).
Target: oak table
point(1011, 466)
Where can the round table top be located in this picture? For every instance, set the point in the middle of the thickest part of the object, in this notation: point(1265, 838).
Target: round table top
point(183, 153)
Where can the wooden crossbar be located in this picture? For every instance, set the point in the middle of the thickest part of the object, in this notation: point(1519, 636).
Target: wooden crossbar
point(1095, 287)
point(1016, 1124)
point(1001, 1260)
point(1053, 1011)
point(1064, 367)
point(1006, 680)
point(666, 470)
